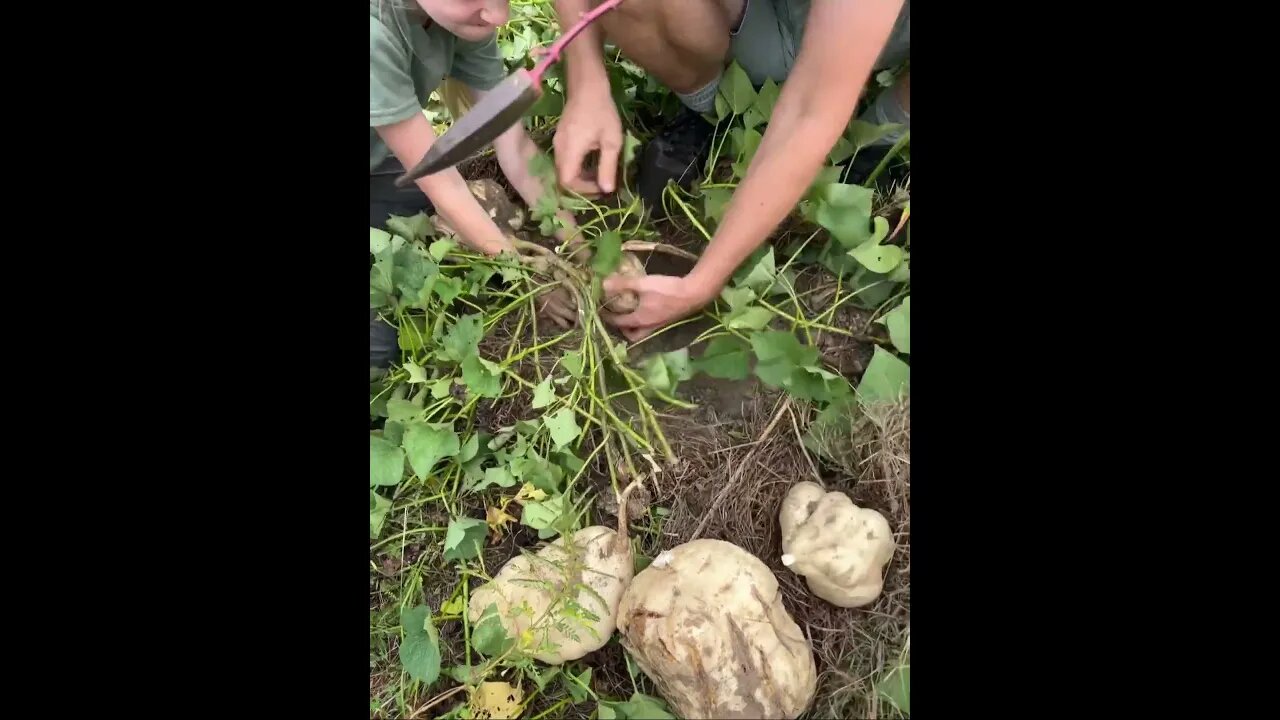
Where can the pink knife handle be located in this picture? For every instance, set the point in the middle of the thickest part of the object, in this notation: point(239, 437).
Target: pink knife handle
point(552, 54)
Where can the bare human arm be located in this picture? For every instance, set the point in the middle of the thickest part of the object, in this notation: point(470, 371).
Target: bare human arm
point(841, 43)
point(409, 140)
point(589, 121)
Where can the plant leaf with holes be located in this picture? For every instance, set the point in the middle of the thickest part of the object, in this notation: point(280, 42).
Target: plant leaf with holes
point(876, 257)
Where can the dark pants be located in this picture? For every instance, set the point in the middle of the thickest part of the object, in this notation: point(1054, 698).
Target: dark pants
point(385, 200)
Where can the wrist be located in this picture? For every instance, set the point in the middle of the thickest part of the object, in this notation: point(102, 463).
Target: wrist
point(702, 285)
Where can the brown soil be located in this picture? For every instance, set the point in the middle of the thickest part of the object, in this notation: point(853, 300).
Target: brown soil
point(852, 647)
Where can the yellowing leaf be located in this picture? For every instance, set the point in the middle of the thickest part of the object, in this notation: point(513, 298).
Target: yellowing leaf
point(529, 493)
point(496, 701)
point(497, 519)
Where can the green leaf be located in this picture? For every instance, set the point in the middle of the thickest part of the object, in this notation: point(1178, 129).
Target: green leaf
point(470, 448)
point(752, 118)
point(543, 394)
point(465, 674)
point(447, 288)
point(845, 211)
point(464, 539)
point(440, 388)
point(738, 298)
point(441, 247)
point(639, 707)
point(886, 378)
point(752, 318)
point(630, 144)
point(578, 690)
point(542, 516)
point(608, 253)
point(428, 443)
point(401, 410)
point(750, 144)
point(488, 637)
point(826, 176)
point(767, 98)
point(378, 507)
point(842, 151)
point(463, 338)
point(862, 134)
point(715, 200)
point(815, 383)
point(386, 462)
point(415, 228)
point(379, 240)
point(762, 273)
point(542, 678)
point(725, 358)
point(535, 470)
point(779, 354)
point(420, 646)
point(482, 377)
point(499, 476)
point(572, 362)
point(874, 256)
point(393, 432)
point(412, 272)
point(898, 321)
point(896, 688)
point(722, 108)
point(563, 426)
point(736, 88)
point(663, 371)
point(416, 373)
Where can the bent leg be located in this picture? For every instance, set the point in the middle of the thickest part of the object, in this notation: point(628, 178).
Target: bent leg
point(683, 43)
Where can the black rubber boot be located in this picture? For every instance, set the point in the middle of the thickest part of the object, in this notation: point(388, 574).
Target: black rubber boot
point(865, 163)
point(677, 154)
point(383, 342)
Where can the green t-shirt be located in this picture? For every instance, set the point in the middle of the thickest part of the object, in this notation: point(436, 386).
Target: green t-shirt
point(407, 62)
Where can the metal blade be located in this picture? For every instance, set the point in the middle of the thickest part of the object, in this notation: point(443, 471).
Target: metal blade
point(497, 111)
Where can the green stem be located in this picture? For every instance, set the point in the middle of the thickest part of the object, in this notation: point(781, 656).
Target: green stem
point(884, 161)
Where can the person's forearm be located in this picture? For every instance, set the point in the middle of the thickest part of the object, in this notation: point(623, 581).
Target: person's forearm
point(455, 203)
point(515, 149)
point(793, 151)
point(409, 140)
point(584, 57)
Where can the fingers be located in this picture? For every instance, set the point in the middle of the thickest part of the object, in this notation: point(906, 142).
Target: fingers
point(616, 284)
point(608, 169)
point(571, 150)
